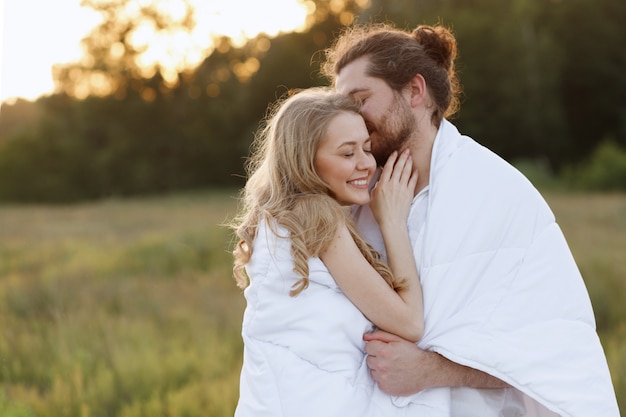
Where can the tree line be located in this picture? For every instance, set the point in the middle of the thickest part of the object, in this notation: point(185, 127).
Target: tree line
point(542, 81)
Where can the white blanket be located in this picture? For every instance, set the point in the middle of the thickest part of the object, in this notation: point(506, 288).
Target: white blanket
point(304, 356)
point(502, 291)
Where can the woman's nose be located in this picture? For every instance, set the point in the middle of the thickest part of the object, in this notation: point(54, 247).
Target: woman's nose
point(366, 161)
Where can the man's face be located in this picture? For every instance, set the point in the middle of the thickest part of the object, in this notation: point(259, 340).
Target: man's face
point(387, 114)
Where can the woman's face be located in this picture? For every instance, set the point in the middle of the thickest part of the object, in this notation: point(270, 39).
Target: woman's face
point(344, 159)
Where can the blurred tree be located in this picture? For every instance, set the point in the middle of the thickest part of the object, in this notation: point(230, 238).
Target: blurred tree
point(118, 127)
point(541, 79)
point(116, 52)
point(592, 83)
point(17, 116)
point(46, 163)
point(510, 67)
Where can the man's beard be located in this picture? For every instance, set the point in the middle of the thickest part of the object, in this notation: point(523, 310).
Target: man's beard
point(393, 132)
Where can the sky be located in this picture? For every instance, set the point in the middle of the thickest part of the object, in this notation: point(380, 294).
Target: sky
point(36, 34)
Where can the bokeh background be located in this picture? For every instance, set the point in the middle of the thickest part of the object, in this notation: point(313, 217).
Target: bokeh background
point(116, 295)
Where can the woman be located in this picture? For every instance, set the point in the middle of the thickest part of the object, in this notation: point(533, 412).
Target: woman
point(315, 287)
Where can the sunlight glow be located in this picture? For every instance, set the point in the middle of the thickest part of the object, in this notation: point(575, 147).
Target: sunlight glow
point(38, 34)
point(240, 20)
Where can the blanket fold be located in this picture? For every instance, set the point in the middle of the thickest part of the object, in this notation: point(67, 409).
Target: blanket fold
point(502, 291)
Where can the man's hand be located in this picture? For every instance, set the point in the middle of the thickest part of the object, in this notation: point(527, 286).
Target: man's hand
point(399, 367)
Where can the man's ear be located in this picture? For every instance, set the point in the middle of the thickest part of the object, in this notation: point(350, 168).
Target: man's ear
point(418, 90)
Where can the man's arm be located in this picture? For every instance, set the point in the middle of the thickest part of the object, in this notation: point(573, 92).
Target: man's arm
point(399, 367)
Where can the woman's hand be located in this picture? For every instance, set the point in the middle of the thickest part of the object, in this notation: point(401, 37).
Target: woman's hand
point(393, 193)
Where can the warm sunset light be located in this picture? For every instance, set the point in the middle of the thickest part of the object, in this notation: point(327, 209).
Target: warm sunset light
point(38, 34)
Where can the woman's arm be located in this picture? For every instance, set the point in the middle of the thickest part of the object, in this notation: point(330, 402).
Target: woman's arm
point(390, 204)
point(398, 312)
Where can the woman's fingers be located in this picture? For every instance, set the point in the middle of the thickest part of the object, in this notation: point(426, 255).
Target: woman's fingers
point(399, 169)
point(388, 169)
point(403, 168)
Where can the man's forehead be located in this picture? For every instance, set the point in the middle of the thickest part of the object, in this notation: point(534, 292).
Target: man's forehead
point(351, 86)
point(356, 86)
point(352, 76)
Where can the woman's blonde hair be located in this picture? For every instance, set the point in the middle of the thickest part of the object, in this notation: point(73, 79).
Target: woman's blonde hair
point(283, 185)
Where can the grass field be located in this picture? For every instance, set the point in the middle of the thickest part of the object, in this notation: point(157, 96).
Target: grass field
point(127, 307)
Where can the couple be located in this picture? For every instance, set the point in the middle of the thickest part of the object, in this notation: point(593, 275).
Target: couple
point(476, 308)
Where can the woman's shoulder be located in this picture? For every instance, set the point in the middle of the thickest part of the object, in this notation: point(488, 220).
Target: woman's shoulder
point(271, 250)
point(270, 233)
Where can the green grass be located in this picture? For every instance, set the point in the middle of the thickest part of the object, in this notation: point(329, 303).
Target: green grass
point(595, 228)
point(120, 308)
point(127, 307)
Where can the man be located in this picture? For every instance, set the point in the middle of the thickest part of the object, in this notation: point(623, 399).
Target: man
point(505, 305)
